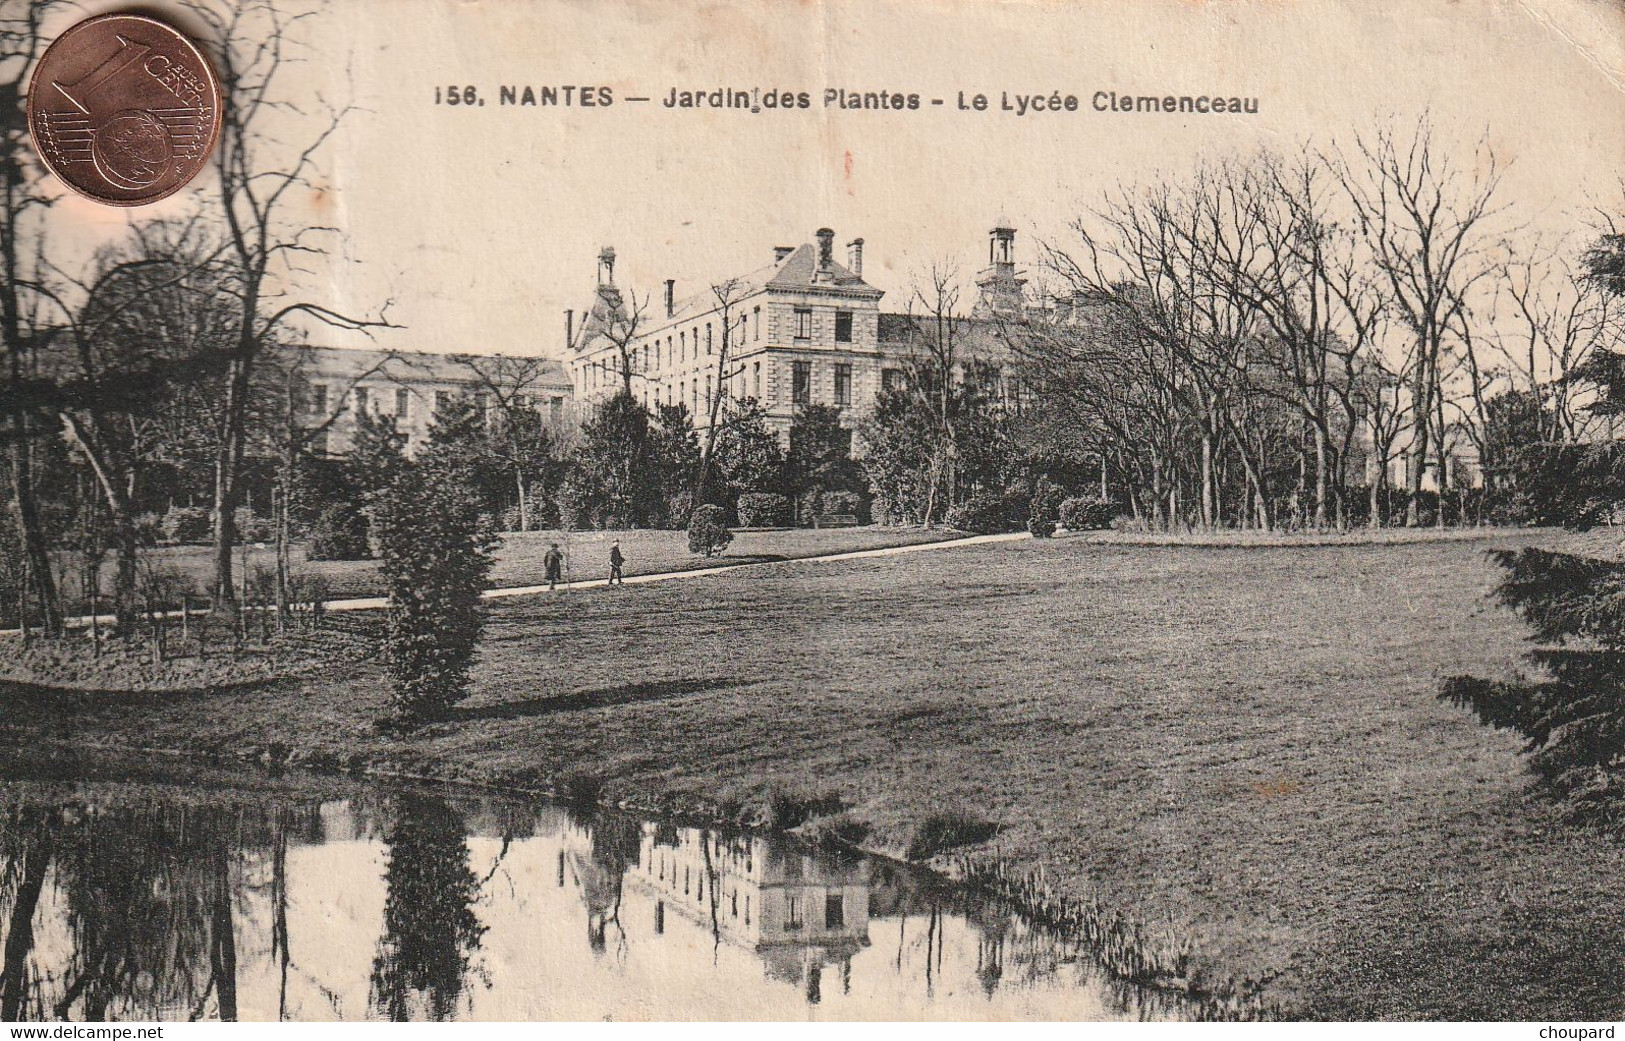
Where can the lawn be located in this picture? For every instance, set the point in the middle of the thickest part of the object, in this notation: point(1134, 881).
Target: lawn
point(1242, 744)
point(519, 558)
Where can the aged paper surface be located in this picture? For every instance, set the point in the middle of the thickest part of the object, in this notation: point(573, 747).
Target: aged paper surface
point(1156, 773)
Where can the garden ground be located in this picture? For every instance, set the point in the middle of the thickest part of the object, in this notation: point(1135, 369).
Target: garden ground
point(519, 558)
point(1242, 744)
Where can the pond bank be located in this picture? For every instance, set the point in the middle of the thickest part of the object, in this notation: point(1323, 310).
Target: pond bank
point(1002, 962)
point(1246, 747)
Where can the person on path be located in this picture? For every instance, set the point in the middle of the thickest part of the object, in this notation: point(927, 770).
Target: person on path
point(554, 562)
point(615, 562)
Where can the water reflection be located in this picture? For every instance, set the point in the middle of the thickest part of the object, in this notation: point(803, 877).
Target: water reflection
point(430, 928)
point(154, 902)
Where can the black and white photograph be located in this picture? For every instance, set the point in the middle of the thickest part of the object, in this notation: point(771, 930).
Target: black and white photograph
point(721, 511)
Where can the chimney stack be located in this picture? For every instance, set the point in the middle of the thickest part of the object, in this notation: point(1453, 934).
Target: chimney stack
point(569, 327)
point(780, 252)
point(826, 248)
point(854, 257)
point(671, 297)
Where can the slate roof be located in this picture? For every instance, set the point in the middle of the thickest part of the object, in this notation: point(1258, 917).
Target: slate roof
point(797, 271)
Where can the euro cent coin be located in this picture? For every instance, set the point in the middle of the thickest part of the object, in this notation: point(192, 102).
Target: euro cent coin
point(124, 109)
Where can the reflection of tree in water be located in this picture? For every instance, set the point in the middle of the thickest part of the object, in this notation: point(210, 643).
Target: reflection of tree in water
point(25, 845)
point(430, 928)
point(148, 892)
point(614, 845)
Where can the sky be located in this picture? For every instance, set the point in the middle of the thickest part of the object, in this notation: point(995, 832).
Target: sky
point(481, 225)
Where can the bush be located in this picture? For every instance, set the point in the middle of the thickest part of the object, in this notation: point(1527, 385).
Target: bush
point(679, 505)
point(1043, 510)
point(308, 594)
point(195, 525)
point(436, 556)
point(535, 513)
point(252, 528)
point(835, 502)
point(989, 513)
point(340, 533)
point(1578, 486)
point(1091, 514)
point(763, 510)
point(840, 502)
point(708, 533)
point(188, 524)
point(948, 829)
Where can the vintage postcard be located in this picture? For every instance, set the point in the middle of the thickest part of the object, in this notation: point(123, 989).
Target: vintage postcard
point(723, 510)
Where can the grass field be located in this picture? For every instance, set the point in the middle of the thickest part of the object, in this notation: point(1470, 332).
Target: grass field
point(519, 558)
point(1245, 744)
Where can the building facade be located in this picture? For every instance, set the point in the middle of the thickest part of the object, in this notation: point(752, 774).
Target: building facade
point(805, 329)
point(331, 387)
point(802, 329)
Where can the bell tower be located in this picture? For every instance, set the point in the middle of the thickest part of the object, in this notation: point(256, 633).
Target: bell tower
point(1001, 289)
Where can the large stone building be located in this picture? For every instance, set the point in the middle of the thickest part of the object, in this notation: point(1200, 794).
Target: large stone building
point(803, 329)
point(332, 386)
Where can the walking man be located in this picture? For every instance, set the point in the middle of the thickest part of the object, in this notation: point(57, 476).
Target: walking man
point(615, 562)
point(554, 562)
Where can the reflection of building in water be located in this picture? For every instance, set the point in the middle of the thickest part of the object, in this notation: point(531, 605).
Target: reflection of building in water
point(799, 910)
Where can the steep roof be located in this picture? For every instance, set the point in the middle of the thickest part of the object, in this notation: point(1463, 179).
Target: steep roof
point(797, 271)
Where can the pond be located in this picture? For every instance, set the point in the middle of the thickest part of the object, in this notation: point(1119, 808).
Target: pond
point(186, 901)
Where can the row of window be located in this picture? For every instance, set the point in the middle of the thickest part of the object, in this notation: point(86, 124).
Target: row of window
point(801, 387)
point(365, 399)
point(801, 373)
point(834, 911)
point(804, 325)
point(685, 346)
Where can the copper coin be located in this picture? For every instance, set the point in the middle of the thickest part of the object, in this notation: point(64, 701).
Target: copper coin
point(124, 109)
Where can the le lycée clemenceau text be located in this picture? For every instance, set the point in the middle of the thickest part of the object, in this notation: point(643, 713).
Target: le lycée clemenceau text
point(778, 99)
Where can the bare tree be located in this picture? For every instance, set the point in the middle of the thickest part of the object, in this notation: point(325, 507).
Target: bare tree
point(259, 175)
point(1560, 318)
point(293, 425)
point(21, 201)
point(935, 325)
point(1422, 216)
point(1157, 258)
point(726, 294)
point(623, 317)
point(151, 328)
point(519, 438)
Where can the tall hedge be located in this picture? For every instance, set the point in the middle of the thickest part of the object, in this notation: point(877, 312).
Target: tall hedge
point(435, 553)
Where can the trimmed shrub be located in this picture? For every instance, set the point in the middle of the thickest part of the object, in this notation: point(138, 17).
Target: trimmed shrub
point(188, 524)
point(1044, 510)
point(948, 829)
point(1088, 514)
point(340, 533)
point(708, 532)
point(840, 502)
point(763, 509)
point(436, 556)
point(989, 513)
